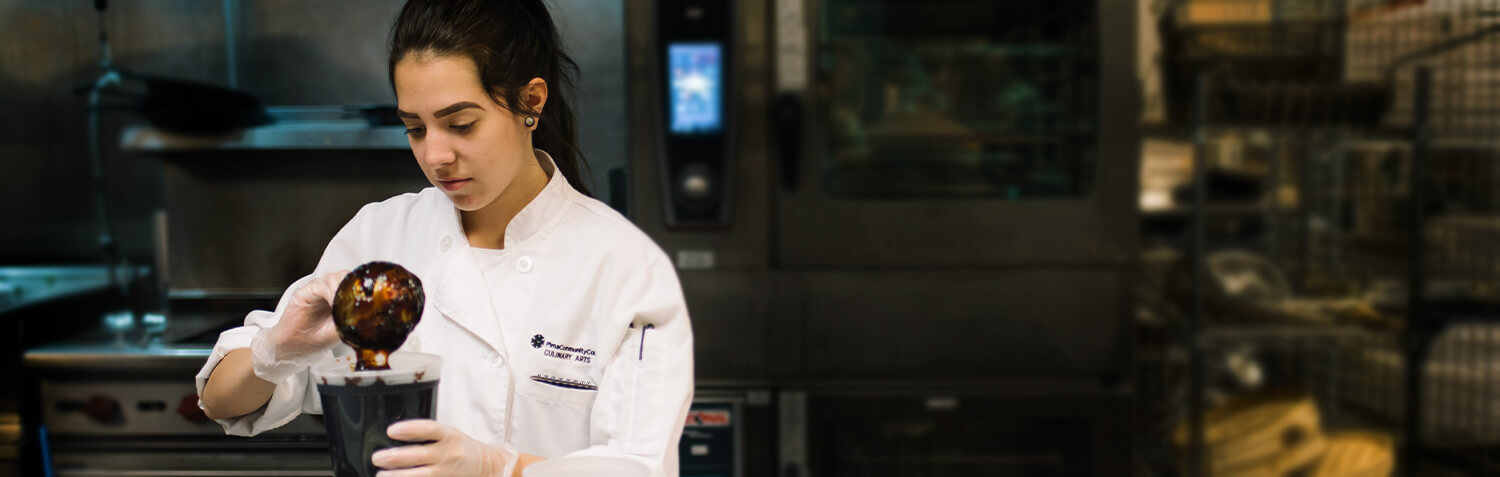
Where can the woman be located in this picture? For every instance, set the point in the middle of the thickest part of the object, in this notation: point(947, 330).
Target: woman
point(562, 326)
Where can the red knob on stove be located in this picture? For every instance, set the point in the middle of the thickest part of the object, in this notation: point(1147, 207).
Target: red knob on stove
point(188, 409)
point(103, 409)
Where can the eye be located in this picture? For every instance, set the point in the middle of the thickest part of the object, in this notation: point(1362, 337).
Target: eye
point(463, 128)
point(416, 131)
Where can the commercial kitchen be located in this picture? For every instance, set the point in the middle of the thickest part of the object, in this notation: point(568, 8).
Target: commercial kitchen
point(948, 237)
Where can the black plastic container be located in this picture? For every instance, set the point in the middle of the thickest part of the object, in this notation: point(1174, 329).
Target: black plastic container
point(359, 406)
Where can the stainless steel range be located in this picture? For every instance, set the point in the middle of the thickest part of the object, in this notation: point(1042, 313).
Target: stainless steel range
point(120, 401)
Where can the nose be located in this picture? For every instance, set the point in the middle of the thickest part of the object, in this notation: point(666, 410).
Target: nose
point(435, 152)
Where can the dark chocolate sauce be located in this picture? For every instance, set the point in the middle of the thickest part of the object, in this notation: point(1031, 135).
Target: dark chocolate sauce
point(375, 308)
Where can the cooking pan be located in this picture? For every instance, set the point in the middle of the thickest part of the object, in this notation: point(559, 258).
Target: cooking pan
point(186, 107)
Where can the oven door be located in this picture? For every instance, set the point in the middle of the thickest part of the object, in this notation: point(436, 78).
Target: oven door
point(219, 457)
point(1029, 429)
point(954, 132)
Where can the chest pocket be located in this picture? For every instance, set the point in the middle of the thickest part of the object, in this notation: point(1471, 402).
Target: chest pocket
point(552, 415)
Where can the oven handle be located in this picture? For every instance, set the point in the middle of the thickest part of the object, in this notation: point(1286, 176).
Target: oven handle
point(788, 127)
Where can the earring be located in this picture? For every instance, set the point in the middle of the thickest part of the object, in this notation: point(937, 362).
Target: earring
point(530, 122)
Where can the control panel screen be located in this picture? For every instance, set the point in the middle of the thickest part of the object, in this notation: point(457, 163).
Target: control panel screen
point(695, 72)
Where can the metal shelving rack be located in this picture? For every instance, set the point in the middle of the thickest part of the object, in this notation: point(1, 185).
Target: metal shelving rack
point(1419, 84)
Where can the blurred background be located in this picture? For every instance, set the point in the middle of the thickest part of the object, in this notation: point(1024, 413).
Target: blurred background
point(938, 238)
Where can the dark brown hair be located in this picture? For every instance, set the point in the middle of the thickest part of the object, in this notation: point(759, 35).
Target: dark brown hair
point(511, 42)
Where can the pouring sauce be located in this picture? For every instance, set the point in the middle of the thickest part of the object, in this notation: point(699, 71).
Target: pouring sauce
point(375, 308)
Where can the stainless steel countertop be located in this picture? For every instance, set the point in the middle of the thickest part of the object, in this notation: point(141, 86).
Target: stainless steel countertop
point(113, 357)
point(128, 346)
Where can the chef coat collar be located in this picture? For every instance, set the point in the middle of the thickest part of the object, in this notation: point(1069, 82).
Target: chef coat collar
point(536, 216)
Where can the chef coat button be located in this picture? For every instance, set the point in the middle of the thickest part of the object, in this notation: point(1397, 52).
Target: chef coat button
point(445, 244)
point(495, 361)
point(523, 264)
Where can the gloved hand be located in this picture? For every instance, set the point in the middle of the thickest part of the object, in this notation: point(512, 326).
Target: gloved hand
point(451, 452)
point(303, 332)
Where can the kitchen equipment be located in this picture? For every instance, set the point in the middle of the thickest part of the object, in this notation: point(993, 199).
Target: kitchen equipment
point(1002, 131)
point(695, 58)
point(972, 163)
point(113, 404)
point(914, 194)
point(40, 304)
point(358, 406)
point(177, 105)
point(194, 108)
point(1248, 276)
point(721, 433)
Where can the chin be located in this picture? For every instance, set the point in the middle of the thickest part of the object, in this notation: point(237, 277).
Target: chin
point(465, 201)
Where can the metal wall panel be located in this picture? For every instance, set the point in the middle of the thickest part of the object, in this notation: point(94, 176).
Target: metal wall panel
point(48, 47)
point(334, 52)
point(286, 52)
point(252, 222)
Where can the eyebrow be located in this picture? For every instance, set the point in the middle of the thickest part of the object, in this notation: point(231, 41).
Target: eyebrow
point(455, 107)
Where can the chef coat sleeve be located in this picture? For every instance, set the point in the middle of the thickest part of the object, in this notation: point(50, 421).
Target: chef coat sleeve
point(297, 393)
point(647, 388)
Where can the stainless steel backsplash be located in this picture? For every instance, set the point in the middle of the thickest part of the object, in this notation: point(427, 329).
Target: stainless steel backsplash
point(286, 52)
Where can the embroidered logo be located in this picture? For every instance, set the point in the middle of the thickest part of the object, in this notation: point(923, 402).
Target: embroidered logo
point(563, 352)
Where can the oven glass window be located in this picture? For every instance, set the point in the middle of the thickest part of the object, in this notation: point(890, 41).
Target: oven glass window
point(695, 72)
point(957, 98)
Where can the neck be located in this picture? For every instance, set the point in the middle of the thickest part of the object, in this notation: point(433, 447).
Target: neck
point(485, 227)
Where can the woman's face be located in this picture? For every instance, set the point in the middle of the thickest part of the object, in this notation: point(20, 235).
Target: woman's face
point(468, 146)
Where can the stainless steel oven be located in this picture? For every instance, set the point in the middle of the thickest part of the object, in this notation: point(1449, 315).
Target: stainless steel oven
point(883, 133)
point(916, 218)
point(113, 407)
point(954, 179)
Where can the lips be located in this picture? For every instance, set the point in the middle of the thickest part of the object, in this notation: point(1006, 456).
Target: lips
point(454, 184)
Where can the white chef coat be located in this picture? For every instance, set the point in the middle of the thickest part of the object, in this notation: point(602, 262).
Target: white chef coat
point(584, 349)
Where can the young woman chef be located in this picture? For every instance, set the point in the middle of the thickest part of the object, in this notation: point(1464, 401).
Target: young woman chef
point(562, 327)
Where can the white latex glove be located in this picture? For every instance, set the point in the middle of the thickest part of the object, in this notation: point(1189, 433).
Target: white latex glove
point(304, 331)
point(450, 452)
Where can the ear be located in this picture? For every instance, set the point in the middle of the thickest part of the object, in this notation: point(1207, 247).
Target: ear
point(534, 94)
